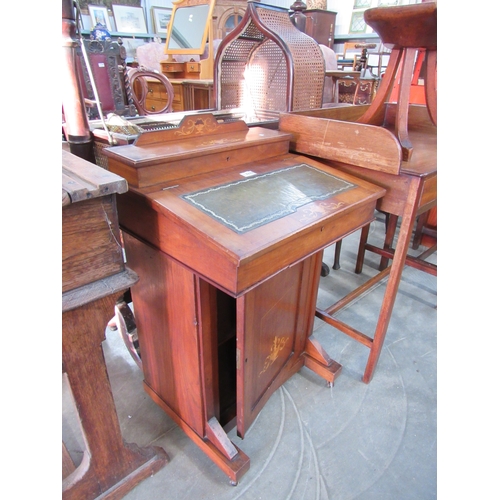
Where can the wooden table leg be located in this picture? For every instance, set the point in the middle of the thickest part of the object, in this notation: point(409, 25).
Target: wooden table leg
point(110, 467)
point(396, 269)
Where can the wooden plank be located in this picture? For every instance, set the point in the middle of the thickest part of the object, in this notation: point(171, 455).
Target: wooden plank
point(91, 247)
point(344, 113)
point(357, 144)
point(143, 167)
point(193, 125)
point(83, 180)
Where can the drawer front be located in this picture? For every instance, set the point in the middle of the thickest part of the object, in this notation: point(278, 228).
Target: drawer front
point(153, 104)
point(155, 90)
point(172, 67)
point(192, 68)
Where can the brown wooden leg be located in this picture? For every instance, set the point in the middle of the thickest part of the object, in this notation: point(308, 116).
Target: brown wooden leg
point(396, 270)
point(430, 84)
point(336, 257)
point(390, 231)
point(403, 102)
point(361, 250)
point(110, 467)
point(68, 465)
point(375, 113)
point(125, 323)
point(417, 238)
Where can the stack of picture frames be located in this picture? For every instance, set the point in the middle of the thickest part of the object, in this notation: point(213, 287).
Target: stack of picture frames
point(124, 16)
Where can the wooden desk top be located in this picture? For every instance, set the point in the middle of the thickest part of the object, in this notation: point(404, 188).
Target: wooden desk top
point(157, 210)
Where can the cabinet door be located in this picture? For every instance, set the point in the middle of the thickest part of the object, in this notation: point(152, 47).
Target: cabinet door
point(320, 25)
point(273, 323)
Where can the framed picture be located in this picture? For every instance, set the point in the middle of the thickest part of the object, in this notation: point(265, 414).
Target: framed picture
point(129, 19)
point(99, 14)
point(161, 18)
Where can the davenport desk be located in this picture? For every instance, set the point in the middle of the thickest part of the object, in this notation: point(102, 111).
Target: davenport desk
point(225, 229)
point(93, 277)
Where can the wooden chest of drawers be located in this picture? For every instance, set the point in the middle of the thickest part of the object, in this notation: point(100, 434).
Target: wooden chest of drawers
point(157, 96)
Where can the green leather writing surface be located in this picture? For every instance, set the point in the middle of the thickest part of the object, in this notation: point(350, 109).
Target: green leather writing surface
point(251, 202)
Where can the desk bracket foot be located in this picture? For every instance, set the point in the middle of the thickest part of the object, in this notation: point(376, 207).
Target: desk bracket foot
point(217, 436)
point(317, 360)
point(234, 468)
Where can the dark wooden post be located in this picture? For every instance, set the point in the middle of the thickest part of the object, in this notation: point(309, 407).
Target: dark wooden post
point(298, 17)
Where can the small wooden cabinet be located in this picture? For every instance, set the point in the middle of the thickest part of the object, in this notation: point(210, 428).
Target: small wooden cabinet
point(157, 97)
point(320, 25)
point(173, 69)
point(189, 95)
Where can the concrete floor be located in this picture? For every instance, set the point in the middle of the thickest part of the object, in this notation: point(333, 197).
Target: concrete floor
point(351, 441)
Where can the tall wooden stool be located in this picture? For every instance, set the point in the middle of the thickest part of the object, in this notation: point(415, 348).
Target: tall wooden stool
point(405, 164)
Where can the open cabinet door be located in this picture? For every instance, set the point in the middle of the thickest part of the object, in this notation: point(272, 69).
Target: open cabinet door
point(274, 321)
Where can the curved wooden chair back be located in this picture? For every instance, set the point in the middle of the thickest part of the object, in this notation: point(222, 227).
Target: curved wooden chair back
point(138, 81)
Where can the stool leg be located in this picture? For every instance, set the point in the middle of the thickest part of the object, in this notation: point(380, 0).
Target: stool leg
point(417, 238)
point(396, 270)
point(390, 231)
point(361, 250)
point(336, 258)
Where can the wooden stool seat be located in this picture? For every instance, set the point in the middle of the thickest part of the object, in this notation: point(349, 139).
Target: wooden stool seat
point(405, 29)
